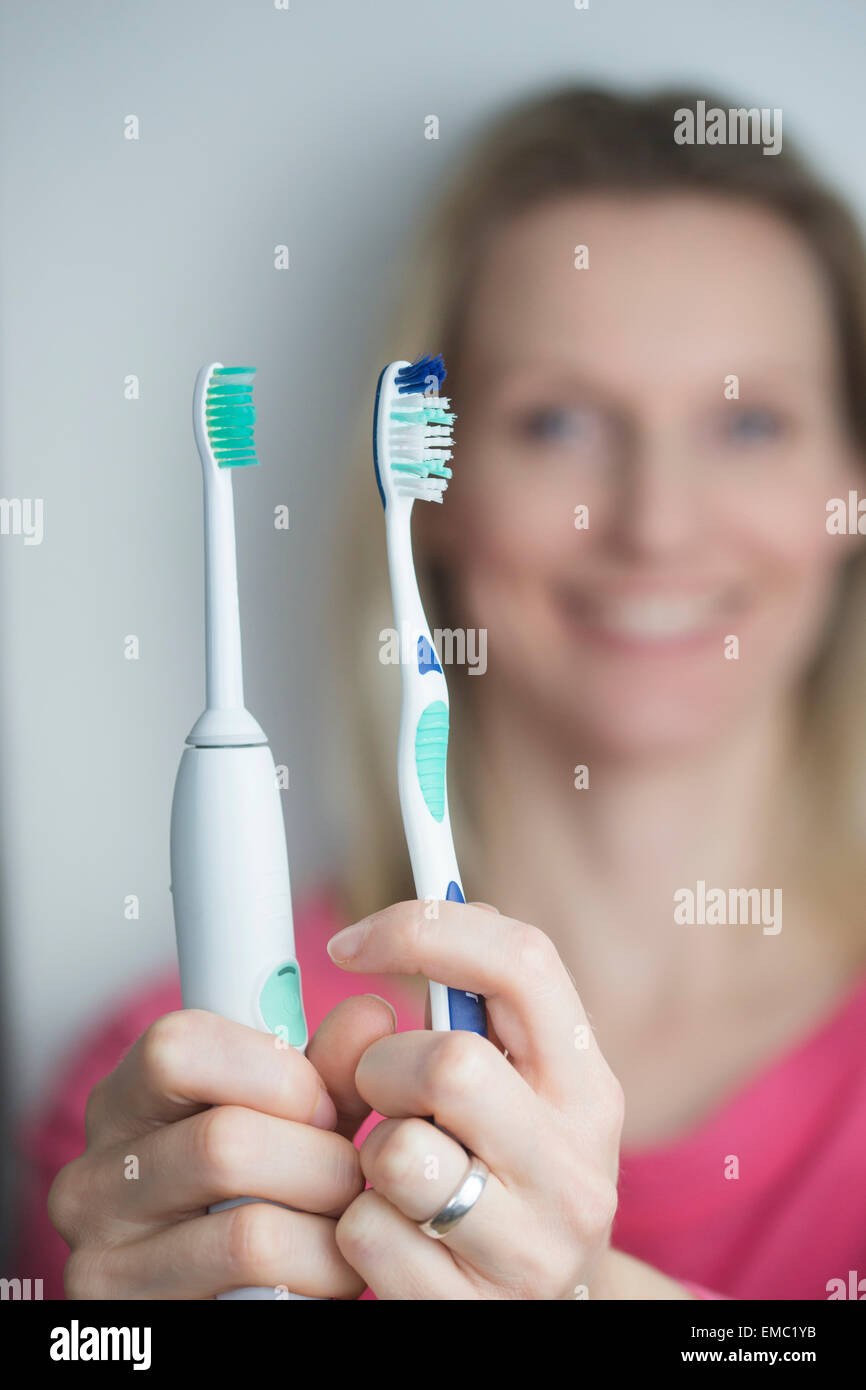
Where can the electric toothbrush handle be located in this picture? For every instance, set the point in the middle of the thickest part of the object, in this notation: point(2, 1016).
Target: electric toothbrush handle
point(232, 906)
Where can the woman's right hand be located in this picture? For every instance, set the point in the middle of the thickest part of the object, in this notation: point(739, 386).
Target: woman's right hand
point(202, 1109)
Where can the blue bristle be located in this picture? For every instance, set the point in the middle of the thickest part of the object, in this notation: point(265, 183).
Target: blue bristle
point(413, 379)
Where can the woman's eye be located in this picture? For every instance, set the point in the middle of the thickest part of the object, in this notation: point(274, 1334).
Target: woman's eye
point(558, 425)
point(754, 426)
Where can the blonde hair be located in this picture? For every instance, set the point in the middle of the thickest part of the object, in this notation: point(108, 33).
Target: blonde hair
point(572, 141)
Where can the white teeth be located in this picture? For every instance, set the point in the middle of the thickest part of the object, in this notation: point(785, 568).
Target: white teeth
point(655, 617)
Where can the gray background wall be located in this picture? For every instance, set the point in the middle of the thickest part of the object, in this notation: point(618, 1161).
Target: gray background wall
point(258, 127)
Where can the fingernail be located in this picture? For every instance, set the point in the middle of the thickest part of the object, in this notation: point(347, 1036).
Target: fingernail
point(387, 1005)
point(347, 943)
point(488, 906)
point(325, 1113)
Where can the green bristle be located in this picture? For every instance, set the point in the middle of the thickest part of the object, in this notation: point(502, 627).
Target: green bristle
point(230, 416)
point(424, 415)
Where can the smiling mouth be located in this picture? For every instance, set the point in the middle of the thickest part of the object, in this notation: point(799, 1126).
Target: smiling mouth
point(651, 621)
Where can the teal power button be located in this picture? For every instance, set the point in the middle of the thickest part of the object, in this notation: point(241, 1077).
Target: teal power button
point(281, 1005)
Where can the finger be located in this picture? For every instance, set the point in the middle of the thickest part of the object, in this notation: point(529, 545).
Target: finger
point(467, 1087)
point(492, 1034)
point(417, 1168)
point(254, 1245)
point(191, 1059)
point(491, 1030)
point(535, 1009)
point(394, 1257)
point(223, 1152)
point(338, 1045)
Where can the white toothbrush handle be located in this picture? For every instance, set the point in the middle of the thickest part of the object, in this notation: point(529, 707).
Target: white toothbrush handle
point(232, 902)
point(421, 767)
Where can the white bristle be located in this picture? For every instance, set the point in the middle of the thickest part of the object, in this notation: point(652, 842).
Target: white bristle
point(410, 444)
point(421, 444)
point(418, 402)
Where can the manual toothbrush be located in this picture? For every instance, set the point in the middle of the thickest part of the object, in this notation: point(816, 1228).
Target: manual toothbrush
point(411, 448)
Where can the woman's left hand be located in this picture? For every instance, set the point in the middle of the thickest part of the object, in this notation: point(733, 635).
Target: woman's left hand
point(546, 1119)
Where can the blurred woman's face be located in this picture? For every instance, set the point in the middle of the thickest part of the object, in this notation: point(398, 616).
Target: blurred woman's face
point(683, 390)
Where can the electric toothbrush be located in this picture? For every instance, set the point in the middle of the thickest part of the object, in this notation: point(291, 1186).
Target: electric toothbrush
point(229, 867)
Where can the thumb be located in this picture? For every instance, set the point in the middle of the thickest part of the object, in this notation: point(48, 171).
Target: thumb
point(337, 1046)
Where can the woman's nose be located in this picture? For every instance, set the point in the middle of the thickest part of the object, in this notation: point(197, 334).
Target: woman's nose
point(657, 512)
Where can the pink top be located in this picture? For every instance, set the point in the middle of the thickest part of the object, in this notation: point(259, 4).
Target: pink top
point(764, 1199)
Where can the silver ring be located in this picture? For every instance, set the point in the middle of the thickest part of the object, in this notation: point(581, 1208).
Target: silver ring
point(459, 1202)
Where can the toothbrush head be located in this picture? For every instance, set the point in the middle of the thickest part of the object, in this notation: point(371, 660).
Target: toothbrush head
point(412, 438)
point(224, 415)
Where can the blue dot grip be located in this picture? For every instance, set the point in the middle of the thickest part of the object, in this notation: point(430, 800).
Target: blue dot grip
point(427, 658)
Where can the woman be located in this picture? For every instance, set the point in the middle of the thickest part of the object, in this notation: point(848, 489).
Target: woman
point(657, 357)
